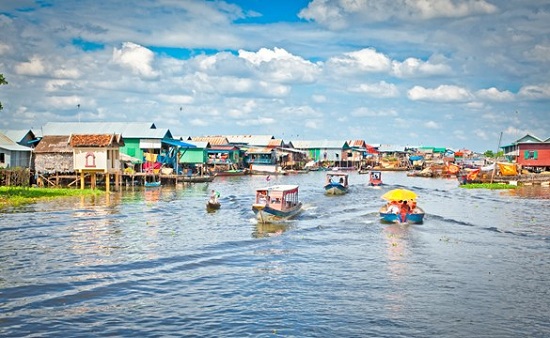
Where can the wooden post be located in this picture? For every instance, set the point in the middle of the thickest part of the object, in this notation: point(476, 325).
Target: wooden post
point(82, 179)
point(94, 180)
point(107, 183)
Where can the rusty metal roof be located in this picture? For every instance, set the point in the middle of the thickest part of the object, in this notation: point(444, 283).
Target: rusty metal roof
point(53, 144)
point(213, 140)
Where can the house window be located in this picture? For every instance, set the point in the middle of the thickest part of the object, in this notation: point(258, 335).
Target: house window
point(90, 160)
point(530, 154)
point(2, 157)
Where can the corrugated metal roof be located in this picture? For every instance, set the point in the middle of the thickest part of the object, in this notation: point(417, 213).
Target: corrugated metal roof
point(54, 144)
point(388, 148)
point(300, 144)
point(275, 143)
point(252, 140)
point(259, 150)
point(126, 129)
point(213, 140)
point(357, 143)
point(17, 135)
point(328, 144)
point(9, 144)
point(199, 144)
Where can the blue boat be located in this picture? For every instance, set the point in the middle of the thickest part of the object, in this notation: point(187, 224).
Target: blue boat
point(336, 183)
point(415, 216)
point(152, 184)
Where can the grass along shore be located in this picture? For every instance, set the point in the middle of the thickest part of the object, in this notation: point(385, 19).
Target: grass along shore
point(491, 186)
point(15, 196)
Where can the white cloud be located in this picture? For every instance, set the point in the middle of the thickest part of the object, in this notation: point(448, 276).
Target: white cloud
point(535, 91)
point(340, 14)
point(432, 125)
point(313, 124)
point(176, 99)
point(259, 121)
point(319, 98)
point(4, 48)
point(278, 65)
point(443, 93)
point(198, 122)
point(364, 60)
point(66, 73)
point(367, 112)
point(381, 89)
point(136, 58)
point(481, 133)
point(493, 94)
point(538, 53)
point(415, 67)
point(34, 67)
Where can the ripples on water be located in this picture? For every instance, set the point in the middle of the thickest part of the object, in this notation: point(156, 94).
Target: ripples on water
point(156, 263)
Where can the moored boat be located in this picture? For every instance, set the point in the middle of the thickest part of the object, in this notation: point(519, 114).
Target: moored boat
point(276, 203)
point(232, 172)
point(152, 184)
point(336, 183)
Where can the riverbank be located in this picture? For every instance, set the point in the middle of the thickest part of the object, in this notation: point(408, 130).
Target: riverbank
point(15, 196)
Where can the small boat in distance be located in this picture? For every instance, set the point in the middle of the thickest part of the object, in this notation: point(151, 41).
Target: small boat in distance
point(152, 184)
point(276, 203)
point(213, 202)
point(336, 183)
point(375, 178)
point(212, 205)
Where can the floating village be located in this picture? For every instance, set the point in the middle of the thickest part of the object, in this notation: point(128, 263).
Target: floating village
point(113, 154)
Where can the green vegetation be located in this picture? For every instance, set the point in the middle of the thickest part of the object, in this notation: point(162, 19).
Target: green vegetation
point(492, 186)
point(2, 82)
point(491, 154)
point(15, 196)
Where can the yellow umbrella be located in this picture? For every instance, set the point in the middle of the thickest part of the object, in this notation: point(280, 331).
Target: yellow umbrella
point(399, 195)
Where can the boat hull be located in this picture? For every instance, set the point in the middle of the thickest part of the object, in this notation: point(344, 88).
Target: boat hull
point(213, 205)
point(335, 189)
point(416, 217)
point(152, 184)
point(265, 214)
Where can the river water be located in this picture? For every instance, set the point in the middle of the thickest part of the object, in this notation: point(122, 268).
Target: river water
point(155, 263)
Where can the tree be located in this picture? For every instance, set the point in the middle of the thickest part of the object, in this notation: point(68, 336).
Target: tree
point(491, 154)
point(2, 82)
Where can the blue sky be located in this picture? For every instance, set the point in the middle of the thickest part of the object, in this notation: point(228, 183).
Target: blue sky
point(445, 73)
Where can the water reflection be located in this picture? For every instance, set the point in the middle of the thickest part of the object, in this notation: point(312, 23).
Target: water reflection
point(535, 191)
point(269, 229)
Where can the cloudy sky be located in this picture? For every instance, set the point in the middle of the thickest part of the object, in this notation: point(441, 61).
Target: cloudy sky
point(446, 73)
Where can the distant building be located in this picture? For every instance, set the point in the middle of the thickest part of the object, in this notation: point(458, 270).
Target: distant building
point(530, 152)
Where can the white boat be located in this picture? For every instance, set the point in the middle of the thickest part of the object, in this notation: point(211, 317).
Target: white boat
point(276, 203)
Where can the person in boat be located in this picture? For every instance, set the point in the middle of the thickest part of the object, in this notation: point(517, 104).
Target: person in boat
point(214, 196)
point(393, 207)
point(412, 206)
point(405, 209)
point(262, 198)
point(341, 180)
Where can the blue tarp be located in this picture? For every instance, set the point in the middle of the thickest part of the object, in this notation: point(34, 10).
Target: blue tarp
point(178, 143)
